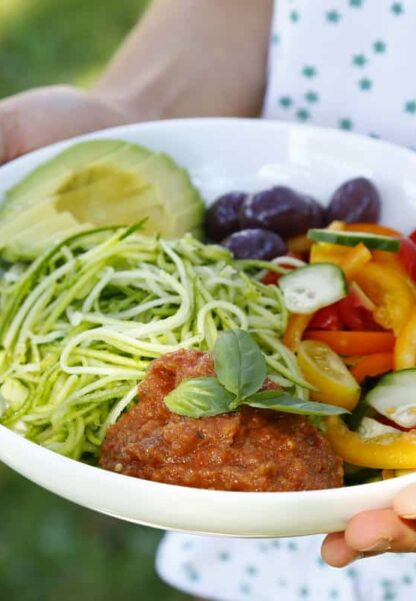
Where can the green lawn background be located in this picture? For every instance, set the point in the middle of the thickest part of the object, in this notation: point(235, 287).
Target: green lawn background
point(50, 549)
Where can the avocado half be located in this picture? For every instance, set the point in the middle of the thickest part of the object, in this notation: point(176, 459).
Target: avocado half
point(98, 183)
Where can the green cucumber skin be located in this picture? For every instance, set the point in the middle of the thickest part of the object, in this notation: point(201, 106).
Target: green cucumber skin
point(390, 385)
point(391, 379)
point(339, 278)
point(371, 241)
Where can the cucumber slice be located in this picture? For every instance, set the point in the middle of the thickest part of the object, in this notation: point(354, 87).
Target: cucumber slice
point(371, 241)
point(310, 288)
point(395, 397)
point(371, 428)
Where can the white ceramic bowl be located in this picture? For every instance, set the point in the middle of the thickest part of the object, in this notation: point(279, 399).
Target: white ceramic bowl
point(224, 155)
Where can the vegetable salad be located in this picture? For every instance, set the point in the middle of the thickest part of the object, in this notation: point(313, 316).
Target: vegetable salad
point(321, 302)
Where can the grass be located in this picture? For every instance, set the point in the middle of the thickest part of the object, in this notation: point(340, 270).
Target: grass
point(60, 41)
point(49, 548)
point(52, 549)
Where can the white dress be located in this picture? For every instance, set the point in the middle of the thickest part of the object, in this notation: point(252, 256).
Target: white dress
point(347, 64)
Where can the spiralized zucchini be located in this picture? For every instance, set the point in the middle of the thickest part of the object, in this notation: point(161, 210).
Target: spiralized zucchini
point(80, 325)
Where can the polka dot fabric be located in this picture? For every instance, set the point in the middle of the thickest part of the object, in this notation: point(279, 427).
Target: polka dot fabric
point(230, 569)
point(345, 64)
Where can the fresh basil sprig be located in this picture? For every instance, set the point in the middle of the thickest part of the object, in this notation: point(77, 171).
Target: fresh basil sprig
point(199, 397)
point(241, 370)
point(239, 364)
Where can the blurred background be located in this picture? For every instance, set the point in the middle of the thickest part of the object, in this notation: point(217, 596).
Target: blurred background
point(49, 548)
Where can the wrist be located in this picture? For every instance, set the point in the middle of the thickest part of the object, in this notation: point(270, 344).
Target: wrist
point(139, 99)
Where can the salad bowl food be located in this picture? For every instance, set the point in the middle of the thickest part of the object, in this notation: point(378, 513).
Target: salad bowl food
point(106, 356)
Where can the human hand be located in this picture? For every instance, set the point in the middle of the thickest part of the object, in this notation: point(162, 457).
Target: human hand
point(45, 115)
point(374, 532)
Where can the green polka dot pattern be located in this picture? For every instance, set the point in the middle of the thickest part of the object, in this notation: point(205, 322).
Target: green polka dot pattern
point(345, 64)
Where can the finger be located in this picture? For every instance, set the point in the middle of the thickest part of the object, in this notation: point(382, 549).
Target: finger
point(336, 552)
point(9, 145)
point(45, 115)
point(380, 531)
point(405, 503)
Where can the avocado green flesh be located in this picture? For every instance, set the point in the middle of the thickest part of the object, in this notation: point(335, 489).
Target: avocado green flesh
point(184, 207)
point(126, 157)
point(36, 238)
point(45, 179)
point(109, 195)
point(99, 183)
point(18, 222)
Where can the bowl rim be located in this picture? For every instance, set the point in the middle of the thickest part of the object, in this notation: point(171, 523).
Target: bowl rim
point(205, 123)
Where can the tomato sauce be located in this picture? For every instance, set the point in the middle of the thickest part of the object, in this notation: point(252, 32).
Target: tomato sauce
point(248, 450)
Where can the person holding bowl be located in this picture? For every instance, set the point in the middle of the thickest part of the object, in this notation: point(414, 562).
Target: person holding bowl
point(344, 65)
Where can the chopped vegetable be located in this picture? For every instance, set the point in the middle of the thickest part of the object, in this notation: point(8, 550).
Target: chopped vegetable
point(407, 256)
point(370, 428)
point(395, 397)
point(354, 343)
point(309, 288)
point(98, 183)
point(387, 451)
point(372, 365)
point(327, 318)
point(321, 252)
point(390, 292)
point(355, 259)
point(298, 322)
point(299, 244)
point(356, 311)
point(328, 374)
point(405, 348)
point(344, 238)
point(372, 228)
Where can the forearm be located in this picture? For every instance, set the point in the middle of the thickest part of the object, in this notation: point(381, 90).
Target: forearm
point(192, 58)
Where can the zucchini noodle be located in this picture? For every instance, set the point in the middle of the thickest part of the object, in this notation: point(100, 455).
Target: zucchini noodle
point(81, 324)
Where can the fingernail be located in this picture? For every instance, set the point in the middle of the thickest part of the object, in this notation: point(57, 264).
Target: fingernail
point(380, 546)
point(408, 516)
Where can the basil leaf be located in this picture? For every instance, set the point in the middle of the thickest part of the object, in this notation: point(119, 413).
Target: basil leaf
point(281, 401)
point(239, 363)
point(199, 397)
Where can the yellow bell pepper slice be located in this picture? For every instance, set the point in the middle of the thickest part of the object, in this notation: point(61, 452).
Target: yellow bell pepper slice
point(389, 291)
point(405, 347)
point(355, 259)
point(389, 451)
point(351, 260)
point(298, 322)
point(325, 370)
point(323, 252)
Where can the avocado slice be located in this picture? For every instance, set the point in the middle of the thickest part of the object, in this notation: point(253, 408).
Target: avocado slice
point(100, 182)
point(44, 180)
point(183, 206)
point(38, 236)
point(18, 222)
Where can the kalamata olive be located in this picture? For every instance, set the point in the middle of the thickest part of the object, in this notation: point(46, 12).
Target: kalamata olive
point(317, 213)
point(222, 218)
point(356, 200)
point(280, 209)
point(255, 244)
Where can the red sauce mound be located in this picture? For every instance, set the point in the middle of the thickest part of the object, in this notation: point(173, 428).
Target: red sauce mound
point(249, 450)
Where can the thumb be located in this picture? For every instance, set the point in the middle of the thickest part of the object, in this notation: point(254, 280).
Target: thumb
point(405, 503)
